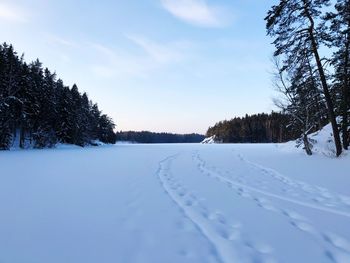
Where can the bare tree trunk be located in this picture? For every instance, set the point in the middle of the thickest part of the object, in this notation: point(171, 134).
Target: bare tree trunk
point(307, 145)
point(21, 137)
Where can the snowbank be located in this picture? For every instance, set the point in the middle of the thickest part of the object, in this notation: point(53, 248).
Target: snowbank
point(322, 143)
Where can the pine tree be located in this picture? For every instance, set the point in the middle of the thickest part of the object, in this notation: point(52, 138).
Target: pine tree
point(293, 24)
point(338, 37)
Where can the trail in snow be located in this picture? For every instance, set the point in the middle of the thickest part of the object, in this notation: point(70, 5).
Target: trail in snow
point(316, 194)
point(291, 189)
point(226, 238)
point(337, 247)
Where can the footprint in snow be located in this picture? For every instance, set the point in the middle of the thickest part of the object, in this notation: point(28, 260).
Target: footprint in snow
point(219, 217)
point(204, 213)
point(243, 193)
point(303, 226)
point(265, 204)
point(338, 256)
point(182, 192)
point(261, 248)
point(294, 215)
point(337, 241)
point(299, 221)
point(228, 233)
point(189, 202)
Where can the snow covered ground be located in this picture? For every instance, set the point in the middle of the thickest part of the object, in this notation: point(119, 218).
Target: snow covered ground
point(258, 203)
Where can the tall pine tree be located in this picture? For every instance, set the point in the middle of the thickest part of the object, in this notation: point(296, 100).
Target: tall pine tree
point(293, 25)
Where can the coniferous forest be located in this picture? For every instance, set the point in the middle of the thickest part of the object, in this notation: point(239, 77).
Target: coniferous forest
point(38, 110)
point(257, 128)
point(153, 137)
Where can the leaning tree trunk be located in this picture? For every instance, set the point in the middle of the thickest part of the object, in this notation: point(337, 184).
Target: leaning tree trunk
point(307, 145)
point(330, 107)
point(317, 97)
point(329, 102)
point(345, 96)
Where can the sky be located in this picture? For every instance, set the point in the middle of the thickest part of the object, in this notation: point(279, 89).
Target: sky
point(159, 65)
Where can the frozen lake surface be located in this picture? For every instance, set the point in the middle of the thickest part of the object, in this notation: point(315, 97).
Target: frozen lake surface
point(259, 203)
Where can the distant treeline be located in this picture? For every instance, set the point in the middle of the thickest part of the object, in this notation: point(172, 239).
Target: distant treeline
point(38, 110)
point(152, 137)
point(257, 128)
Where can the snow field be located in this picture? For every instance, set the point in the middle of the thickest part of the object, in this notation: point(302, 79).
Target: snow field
point(174, 203)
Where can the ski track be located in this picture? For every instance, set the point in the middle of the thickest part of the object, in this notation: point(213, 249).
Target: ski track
point(336, 247)
point(228, 240)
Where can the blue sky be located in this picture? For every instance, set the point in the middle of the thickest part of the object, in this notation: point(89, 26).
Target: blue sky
point(159, 65)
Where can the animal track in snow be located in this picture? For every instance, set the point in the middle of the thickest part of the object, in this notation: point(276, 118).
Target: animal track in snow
point(338, 247)
point(224, 237)
point(317, 194)
point(330, 207)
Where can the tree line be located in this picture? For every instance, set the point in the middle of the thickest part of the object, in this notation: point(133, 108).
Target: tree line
point(152, 137)
point(257, 128)
point(38, 110)
point(312, 60)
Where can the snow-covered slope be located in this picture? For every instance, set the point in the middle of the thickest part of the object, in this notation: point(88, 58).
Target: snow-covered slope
point(322, 143)
point(209, 140)
point(173, 203)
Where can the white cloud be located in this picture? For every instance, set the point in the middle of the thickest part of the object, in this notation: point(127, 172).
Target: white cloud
point(123, 63)
point(115, 63)
point(56, 40)
point(162, 53)
point(196, 12)
point(11, 13)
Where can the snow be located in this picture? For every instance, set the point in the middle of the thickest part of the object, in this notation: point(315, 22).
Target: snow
point(174, 203)
point(322, 143)
point(209, 140)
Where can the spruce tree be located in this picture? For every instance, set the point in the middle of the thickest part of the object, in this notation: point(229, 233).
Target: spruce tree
point(36, 110)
